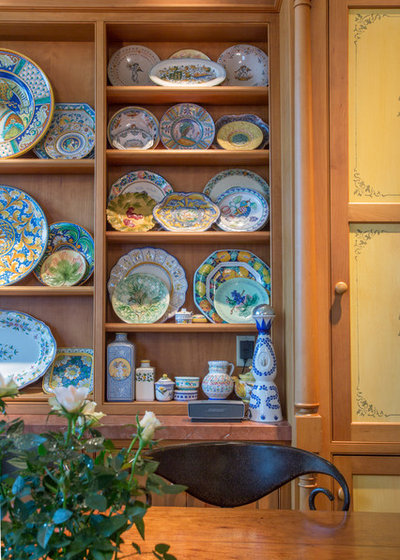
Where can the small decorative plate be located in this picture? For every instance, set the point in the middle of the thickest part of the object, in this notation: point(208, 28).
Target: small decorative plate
point(189, 53)
point(187, 72)
point(239, 135)
point(65, 235)
point(140, 298)
point(27, 347)
point(181, 211)
point(27, 103)
point(133, 128)
point(141, 181)
point(248, 117)
point(156, 262)
point(187, 126)
point(242, 210)
point(131, 211)
point(65, 267)
point(245, 65)
point(72, 366)
point(236, 178)
point(235, 299)
point(23, 234)
point(130, 66)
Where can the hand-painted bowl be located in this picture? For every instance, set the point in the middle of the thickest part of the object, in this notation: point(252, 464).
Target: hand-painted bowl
point(185, 395)
point(63, 268)
point(185, 383)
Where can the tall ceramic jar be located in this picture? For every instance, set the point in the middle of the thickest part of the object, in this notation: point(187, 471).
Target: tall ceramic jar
point(120, 369)
point(145, 381)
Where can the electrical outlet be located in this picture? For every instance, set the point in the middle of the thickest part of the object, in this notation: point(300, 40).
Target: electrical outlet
point(239, 339)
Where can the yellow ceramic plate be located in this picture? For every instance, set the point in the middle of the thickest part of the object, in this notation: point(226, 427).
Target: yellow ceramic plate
point(131, 211)
point(239, 135)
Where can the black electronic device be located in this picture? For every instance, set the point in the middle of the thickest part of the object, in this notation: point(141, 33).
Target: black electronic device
point(216, 411)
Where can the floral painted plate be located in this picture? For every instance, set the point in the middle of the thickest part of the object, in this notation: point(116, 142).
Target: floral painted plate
point(27, 103)
point(187, 126)
point(236, 178)
point(141, 181)
point(235, 299)
point(156, 262)
point(130, 66)
point(242, 210)
point(63, 268)
point(187, 72)
point(65, 235)
point(245, 65)
point(248, 117)
point(131, 212)
point(140, 298)
point(72, 366)
point(23, 234)
point(133, 128)
point(181, 211)
point(189, 53)
point(27, 347)
point(239, 135)
point(221, 266)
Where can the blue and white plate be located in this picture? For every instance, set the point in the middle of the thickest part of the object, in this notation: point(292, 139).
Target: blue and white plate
point(236, 178)
point(187, 126)
point(242, 210)
point(72, 366)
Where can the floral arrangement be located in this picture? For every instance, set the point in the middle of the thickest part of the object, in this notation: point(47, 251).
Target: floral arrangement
point(70, 495)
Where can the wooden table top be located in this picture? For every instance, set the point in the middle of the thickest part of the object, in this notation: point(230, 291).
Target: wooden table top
point(246, 534)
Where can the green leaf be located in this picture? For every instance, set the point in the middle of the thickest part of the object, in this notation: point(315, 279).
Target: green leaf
point(169, 556)
point(110, 526)
point(161, 548)
point(61, 516)
point(96, 501)
point(44, 534)
point(136, 547)
point(18, 463)
point(26, 442)
point(140, 527)
point(94, 444)
point(137, 509)
point(18, 485)
point(173, 488)
point(42, 450)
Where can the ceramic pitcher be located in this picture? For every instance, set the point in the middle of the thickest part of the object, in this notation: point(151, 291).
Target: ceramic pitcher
point(218, 383)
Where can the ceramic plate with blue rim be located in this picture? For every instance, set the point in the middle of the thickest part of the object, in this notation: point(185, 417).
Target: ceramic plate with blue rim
point(71, 366)
point(236, 178)
point(235, 299)
point(66, 235)
point(187, 126)
point(180, 211)
point(27, 103)
point(242, 210)
point(141, 181)
point(23, 234)
point(27, 347)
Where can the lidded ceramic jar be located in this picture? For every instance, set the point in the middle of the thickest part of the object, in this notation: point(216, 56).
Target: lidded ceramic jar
point(164, 388)
point(218, 383)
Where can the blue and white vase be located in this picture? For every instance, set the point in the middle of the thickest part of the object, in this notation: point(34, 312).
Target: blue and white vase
point(264, 403)
point(120, 369)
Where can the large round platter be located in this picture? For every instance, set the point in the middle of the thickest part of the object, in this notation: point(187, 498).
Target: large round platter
point(187, 126)
point(248, 117)
point(239, 135)
point(189, 53)
point(242, 210)
point(23, 234)
point(133, 128)
point(65, 235)
point(130, 66)
point(140, 298)
point(236, 178)
point(245, 65)
point(27, 347)
point(181, 211)
point(141, 181)
point(27, 103)
point(71, 366)
point(131, 212)
point(221, 266)
point(235, 299)
point(156, 262)
point(187, 72)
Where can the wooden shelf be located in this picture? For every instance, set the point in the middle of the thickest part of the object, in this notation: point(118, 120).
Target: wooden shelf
point(188, 327)
point(187, 157)
point(54, 166)
point(256, 237)
point(46, 291)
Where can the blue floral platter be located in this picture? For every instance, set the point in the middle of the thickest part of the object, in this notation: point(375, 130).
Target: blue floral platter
point(71, 366)
point(242, 210)
point(235, 299)
point(180, 211)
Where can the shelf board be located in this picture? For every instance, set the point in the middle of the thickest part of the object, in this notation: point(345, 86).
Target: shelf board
point(46, 291)
point(188, 157)
point(33, 166)
point(157, 95)
point(206, 237)
point(188, 327)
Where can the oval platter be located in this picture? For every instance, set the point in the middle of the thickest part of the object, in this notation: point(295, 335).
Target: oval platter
point(187, 72)
point(187, 126)
point(141, 181)
point(236, 178)
point(242, 210)
point(130, 66)
point(180, 211)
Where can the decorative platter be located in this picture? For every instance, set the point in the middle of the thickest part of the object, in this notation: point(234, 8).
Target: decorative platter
point(189, 53)
point(245, 65)
point(181, 211)
point(27, 103)
point(65, 267)
point(65, 235)
point(187, 126)
point(27, 347)
point(133, 128)
point(156, 262)
point(71, 366)
point(23, 234)
point(187, 72)
point(221, 266)
point(242, 210)
point(236, 178)
point(141, 181)
point(248, 117)
point(140, 298)
point(235, 299)
point(131, 211)
point(239, 135)
point(130, 66)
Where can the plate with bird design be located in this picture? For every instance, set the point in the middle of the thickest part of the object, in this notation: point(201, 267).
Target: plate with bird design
point(131, 65)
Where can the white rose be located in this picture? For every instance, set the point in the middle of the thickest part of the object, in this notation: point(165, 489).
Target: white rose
point(69, 398)
point(7, 385)
point(89, 411)
point(149, 423)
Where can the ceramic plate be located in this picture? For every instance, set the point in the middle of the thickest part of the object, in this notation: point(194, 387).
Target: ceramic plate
point(23, 234)
point(221, 266)
point(245, 65)
point(130, 66)
point(187, 126)
point(189, 53)
point(63, 268)
point(239, 135)
point(236, 178)
point(235, 299)
point(27, 347)
point(187, 72)
point(140, 298)
point(133, 128)
point(156, 262)
point(131, 211)
point(65, 235)
point(72, 366)
point(27, 103)
point(141, 181)
point(242, 210)
point(186, 212)
point(248, 117)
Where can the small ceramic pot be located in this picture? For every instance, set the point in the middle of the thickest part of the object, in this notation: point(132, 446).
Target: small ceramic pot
point(188, 395)
point(185, 383)
point(164, 388)
point(183, 316)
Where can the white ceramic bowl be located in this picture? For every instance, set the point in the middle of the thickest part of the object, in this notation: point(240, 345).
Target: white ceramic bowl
point(185, 383)
point(185, 395)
